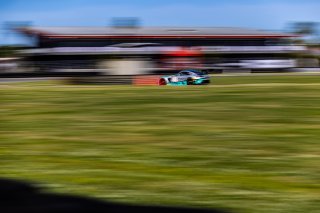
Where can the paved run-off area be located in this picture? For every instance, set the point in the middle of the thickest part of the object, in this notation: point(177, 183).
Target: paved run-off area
point(249, 144)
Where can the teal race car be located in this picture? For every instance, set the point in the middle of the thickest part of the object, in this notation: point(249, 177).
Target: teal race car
point(186, 77)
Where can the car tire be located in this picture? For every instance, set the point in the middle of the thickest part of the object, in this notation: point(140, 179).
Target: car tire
point(162, 82)
point(189, 81)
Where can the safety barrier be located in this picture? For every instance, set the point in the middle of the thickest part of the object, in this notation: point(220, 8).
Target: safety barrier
point(145, 80)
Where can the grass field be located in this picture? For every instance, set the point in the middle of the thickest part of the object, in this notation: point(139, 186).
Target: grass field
point(249, 144)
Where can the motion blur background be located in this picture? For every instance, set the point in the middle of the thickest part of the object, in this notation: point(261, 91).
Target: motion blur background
point(147, 37)
point(247, 142)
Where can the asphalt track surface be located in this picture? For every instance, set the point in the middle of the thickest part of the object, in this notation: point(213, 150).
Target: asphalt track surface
point(35, 79)
point(266, 85)
point(17, 80)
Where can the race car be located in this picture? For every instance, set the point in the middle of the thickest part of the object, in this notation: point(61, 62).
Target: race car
point(186, 77)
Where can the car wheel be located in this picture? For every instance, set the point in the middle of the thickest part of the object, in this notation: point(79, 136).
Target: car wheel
point(162, 82)
point(189, 81)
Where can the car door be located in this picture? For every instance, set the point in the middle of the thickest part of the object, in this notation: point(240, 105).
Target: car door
point(183, 76)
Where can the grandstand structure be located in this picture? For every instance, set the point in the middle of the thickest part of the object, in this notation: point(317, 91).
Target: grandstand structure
point(141, 50)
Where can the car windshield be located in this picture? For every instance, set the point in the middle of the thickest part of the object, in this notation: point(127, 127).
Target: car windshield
point(197, 72)
point(183, 73)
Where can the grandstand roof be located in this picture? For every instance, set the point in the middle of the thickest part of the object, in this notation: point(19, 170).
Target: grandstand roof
point(150, 32)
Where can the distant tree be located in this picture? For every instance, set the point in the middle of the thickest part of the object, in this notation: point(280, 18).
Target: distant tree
point(304, 28)
point(10, 32)
point(307, 30)
point(8, 51)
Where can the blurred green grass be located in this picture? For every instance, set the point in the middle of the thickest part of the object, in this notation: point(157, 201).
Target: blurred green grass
point(249, 144)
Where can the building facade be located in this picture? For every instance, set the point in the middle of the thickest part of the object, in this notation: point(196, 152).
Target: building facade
point(139, 50)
